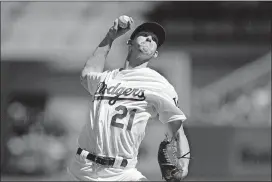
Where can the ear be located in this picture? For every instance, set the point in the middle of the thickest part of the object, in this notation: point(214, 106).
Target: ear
point(156, 54)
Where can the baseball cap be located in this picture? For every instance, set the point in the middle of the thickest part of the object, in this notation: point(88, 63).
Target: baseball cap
point(153, 27)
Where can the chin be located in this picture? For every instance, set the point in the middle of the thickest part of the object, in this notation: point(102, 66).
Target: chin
point(145, 58)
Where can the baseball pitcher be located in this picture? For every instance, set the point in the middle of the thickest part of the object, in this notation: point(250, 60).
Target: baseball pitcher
point(123, 100)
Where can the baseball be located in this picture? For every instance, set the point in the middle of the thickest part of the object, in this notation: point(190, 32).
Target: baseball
point(123, 21)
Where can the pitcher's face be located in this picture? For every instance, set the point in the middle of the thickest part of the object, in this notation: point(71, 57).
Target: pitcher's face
point(146, 43)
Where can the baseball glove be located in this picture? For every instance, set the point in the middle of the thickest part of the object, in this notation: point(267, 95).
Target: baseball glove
point(168, 161)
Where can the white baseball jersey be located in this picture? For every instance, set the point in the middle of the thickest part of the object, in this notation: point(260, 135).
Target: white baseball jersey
point(123, 102)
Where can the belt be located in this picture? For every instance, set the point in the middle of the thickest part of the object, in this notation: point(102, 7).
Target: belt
point(107, 161)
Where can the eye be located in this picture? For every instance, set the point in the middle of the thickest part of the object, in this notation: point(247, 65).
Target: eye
point(155, 39)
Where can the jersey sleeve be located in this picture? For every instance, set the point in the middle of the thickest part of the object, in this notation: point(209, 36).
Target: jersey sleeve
point(166, 105)
point(92, 79)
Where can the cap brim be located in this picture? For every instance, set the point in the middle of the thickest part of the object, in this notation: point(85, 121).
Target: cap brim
point(153, 27)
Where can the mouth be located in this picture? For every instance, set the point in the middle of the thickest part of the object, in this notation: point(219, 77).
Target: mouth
point(145, 47)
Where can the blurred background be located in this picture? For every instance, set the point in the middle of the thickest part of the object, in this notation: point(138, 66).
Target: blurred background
point(216, 54)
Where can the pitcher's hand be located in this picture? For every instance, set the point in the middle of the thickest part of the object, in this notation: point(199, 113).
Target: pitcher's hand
point(116, 31)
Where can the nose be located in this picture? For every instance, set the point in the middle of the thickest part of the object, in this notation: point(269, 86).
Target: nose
point(149, 38)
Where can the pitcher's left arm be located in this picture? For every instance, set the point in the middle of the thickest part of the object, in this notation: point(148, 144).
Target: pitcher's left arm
point(183, 148)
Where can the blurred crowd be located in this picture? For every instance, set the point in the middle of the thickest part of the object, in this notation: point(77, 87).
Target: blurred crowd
point(247, 106)
point(36, 145)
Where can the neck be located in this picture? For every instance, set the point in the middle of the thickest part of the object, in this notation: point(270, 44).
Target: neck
point(134, 62)
point(129, 66)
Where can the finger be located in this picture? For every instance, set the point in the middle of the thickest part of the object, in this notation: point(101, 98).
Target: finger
point(131, 20)
point(184, 173)
point(115, 24)
point(130, 23)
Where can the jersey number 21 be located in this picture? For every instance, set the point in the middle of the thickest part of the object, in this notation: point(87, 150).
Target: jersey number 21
point(123, 115)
